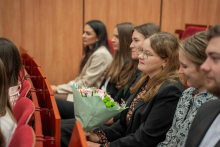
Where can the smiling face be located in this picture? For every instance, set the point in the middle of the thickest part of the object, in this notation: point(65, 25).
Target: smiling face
point(115, 40)
point(137, 41)
point(212, 66)
point(194, 76)
point(151, 64)
point(89, 36)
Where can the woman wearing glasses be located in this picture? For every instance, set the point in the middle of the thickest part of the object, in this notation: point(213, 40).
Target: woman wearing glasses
point(153, 98)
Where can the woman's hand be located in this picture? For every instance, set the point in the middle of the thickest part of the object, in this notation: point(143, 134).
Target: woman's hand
point(110, 122)
point(54, 88)
point(92, 144)
point(91, 137)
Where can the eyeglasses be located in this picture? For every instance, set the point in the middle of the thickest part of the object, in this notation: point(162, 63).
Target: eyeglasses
point(145, 53)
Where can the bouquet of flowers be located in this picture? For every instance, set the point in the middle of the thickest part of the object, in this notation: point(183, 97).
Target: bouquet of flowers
point(94, 107)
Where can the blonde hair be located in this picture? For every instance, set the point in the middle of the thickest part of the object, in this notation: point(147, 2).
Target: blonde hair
point(165, 45)
point(194, 48)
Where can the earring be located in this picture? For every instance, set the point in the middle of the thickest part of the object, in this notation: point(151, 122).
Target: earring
point(164, 67)
point(97, 40)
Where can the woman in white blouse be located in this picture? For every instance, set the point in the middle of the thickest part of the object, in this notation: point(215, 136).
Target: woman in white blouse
point(7, 121)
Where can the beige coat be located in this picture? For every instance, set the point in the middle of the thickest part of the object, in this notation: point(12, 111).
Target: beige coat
point(93, 72)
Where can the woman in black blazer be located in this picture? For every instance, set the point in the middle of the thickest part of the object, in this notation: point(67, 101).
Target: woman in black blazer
point(153, 99)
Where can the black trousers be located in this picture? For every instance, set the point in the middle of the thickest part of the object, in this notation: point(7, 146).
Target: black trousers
point(67, 126)
point(66, 110)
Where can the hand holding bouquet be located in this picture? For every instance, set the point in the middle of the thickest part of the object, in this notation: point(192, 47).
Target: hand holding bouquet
point(94, 108)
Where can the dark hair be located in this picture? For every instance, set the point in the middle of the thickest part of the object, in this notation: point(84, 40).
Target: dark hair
point(214, 31)
point(3, 89)
point(147, 29)
point(100, 31)
point(131, 69)
point(165, 45)
point(10, 56)
point(124, 52)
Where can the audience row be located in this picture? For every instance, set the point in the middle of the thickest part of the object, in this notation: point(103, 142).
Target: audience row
point(148, 71)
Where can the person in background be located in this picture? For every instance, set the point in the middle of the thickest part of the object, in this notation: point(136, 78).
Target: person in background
point(121, 41)
point(205, 129)
point(153, 98)
point(192, 56)
point(10, 56)
point(95, 61)
point(7, 121)
point(130, 73)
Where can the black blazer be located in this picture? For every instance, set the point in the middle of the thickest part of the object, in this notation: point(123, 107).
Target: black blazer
point(201, 123)
point(126, 94)
point(150, 121)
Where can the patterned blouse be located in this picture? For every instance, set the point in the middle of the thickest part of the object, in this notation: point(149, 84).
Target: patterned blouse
point(101, 134)
point(186, 110)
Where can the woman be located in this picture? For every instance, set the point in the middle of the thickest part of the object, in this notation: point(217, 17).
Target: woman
point(10, 56)
point(191, 55)
point(96, 60)
point(153, 100)
point(7, 120)
point(130, 73)
point(121, 41)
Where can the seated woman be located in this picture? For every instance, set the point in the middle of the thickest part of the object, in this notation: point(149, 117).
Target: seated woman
point(7, 120)
point(96, 60)
point(153, 98)
point(130, 73)
point(10, 56)
point(121, 41)
point(191, 55)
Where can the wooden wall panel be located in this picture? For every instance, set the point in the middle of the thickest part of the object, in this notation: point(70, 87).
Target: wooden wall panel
point(112, 12)
point(177, 13)
point(50, 30)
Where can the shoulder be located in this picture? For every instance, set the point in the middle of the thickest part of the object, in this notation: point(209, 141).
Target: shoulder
point(210, 106)
point(102, 50)
point(172, 84)
point(7, 122)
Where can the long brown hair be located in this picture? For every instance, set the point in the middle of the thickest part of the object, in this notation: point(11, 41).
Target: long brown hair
point(124, 53)
point(165, 45)
point(10, 56)
point(131, 69)
point(100, 30)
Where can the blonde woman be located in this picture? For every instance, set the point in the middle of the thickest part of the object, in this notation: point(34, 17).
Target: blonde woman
point(191, 55)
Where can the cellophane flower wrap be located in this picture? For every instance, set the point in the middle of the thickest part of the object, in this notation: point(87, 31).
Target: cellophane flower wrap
point(94, 107)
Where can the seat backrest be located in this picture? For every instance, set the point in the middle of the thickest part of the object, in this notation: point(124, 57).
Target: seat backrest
point(23, 137)
point(23, 111)
point(78, 138)
point(191, 30)
point(25, 89)
point(110, 44)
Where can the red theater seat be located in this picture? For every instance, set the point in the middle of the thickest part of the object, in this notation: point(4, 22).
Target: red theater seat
point(23, 111)
point(23, 137)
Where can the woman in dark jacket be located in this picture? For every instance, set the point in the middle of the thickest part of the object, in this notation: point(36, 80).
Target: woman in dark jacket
point(153, 99)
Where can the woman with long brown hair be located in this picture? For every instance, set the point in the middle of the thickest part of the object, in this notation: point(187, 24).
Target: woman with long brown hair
point(121, 41)
point(10, 56)
point(153, 100)
point(7, 120)
point(130, 73)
